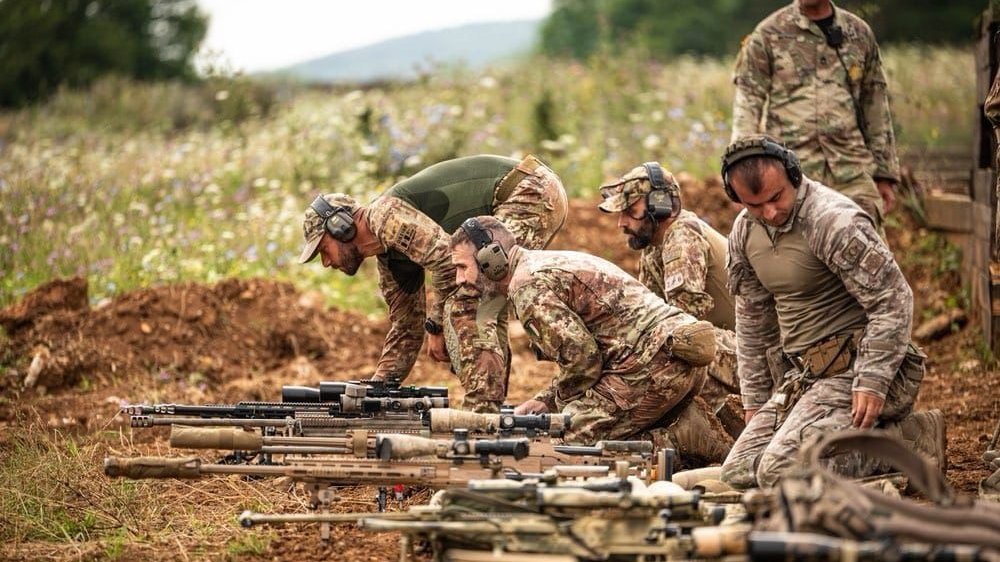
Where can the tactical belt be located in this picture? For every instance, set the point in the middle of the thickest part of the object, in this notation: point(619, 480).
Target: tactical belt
point(523, 169)
point(830, 356)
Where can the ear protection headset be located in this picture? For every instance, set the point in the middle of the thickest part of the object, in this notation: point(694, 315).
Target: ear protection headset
point(743, 149)
point(490, 257)
point(337, 221)
point(661, 202)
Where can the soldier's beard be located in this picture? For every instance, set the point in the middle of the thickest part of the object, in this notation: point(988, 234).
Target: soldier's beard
point(483, 288)
point(352, 260)
point(639, 239)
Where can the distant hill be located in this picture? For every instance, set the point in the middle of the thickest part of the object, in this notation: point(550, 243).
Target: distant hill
point(475, 45)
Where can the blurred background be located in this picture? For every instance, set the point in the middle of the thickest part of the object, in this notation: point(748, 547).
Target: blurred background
point(152, 141)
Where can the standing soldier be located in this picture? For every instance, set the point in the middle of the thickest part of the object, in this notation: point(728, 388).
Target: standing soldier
point(683, 262)
point(817, 70)
point(407, 229)
point(628, 362)
point(823, 318)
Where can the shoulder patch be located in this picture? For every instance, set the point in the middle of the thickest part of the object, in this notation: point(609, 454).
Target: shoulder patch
point(854, 250)
point(873, 261)
point(672, 282)
point(531, 328)
point(672, 254)
point(406, 233)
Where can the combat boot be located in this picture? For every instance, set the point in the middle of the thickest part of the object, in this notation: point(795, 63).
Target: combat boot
point(693, 343)
point(924, 432)
point(698, 436)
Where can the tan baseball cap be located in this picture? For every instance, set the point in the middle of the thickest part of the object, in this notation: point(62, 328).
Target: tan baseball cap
point(621, 193)
point(312, 224)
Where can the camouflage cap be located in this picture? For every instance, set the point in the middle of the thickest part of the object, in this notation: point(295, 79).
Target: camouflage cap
point(621, 193)
point(312, 224)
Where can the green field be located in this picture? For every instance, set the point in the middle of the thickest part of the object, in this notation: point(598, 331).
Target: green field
point(131, 185)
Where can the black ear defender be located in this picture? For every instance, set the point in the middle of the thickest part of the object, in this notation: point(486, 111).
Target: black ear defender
point(490, 256)
point(747, 148)
point(337, 221)
point(661, 201)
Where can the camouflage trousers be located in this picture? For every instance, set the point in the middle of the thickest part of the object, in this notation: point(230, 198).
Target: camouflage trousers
point(863, 191)
point(722, 376)
point(621, 406)
point(768, 447)
point(475, 331)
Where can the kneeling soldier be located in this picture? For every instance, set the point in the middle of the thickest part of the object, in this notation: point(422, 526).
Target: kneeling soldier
point(628, 362)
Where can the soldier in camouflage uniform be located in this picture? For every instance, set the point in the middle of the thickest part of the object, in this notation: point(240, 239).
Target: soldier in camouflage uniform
point(817, 70)
point(823, 318)
point(407, 228)
point(683, 262)
point(628, 361)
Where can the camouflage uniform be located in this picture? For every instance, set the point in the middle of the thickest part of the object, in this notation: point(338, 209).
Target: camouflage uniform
point(534, 210)
point(787, 65)
point(611, 339)
point(825, 276)
point(992, 111)
point(686, 267)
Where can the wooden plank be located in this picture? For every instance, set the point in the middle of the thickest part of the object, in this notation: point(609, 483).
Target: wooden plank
point(949, 211)
point(983, 186)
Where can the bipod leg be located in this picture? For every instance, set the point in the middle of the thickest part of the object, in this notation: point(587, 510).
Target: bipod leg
point(322, 497)
point(382, 498)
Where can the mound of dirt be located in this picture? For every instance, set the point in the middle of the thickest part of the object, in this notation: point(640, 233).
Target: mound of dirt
point(233, 327)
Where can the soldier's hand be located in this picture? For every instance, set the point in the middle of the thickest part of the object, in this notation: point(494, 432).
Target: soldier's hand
point(531, 407)
point(887, 189)
point(436, 349)
point(747, 414)
point(865, 409)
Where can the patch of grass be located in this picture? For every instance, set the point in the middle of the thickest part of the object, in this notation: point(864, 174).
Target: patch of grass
point(249, 543)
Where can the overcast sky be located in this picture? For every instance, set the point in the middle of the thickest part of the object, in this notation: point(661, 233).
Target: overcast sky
point(258, 35)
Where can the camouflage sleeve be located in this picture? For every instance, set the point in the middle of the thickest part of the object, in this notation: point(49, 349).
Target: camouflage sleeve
point(874, 102)
point(685, 268)
point(560, 335)
point(752, 77)
point(406, 326)
point(401, 227)
point(756, 321)
point(851, 247)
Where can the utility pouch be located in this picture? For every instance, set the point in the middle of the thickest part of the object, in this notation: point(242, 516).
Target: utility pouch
point(832, 355)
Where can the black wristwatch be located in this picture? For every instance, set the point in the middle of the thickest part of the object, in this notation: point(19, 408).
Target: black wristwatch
point(433, 328)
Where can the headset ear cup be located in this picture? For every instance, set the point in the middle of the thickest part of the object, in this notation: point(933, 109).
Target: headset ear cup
point(659, 204)
point(492, 261)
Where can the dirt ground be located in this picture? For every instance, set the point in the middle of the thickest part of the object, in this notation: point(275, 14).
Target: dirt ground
point(242, 339)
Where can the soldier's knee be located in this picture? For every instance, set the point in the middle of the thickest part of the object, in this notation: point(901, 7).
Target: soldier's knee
point(770, 468)
point(739, 473)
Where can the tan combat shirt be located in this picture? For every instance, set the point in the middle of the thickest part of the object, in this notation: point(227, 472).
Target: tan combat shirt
point(823, 272)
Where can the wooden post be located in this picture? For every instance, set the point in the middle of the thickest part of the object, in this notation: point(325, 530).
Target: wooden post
point(983, 263)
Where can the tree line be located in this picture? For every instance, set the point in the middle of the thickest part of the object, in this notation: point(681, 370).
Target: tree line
point(580, 28)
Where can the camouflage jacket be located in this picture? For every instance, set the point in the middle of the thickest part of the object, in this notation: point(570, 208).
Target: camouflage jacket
point(401, 227)
point(588, 316)
point(844, 242)
point(687, 268)
point(787, 65)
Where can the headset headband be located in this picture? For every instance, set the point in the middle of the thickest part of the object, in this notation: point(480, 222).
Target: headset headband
point(322, 208)
point(477, 234)
point(655, 174)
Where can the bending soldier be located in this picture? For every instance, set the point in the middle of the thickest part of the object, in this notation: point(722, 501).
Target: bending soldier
point(406, 229)
point(683, 262)
point(821, 300)
point(817, 70)
point(628, 362)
